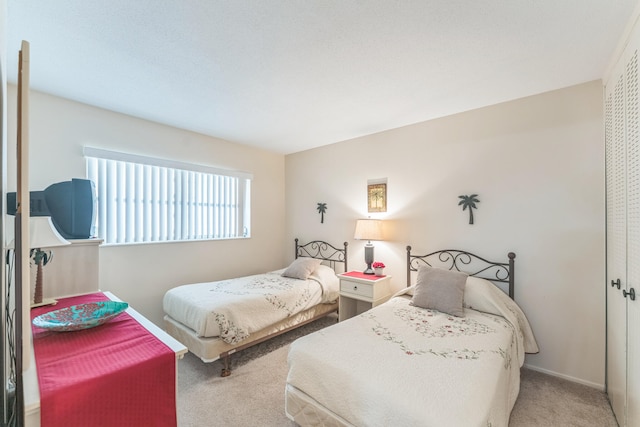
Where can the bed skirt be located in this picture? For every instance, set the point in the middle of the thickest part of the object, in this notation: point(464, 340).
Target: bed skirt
point(305, 411)
point(210, 349)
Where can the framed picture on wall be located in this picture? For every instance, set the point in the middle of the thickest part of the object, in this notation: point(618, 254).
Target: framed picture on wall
point(377, 197)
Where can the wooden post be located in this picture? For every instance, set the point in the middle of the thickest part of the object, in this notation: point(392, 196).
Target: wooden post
point(23, 288)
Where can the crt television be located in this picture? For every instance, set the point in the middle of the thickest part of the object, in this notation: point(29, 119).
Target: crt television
point(70, 204)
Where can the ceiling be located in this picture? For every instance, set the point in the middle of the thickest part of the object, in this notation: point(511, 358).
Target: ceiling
point(289, 75)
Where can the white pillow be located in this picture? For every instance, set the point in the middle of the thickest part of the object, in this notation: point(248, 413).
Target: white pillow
point(482, 295)
point(477, 295)
point(302, 268)
point(329, 282)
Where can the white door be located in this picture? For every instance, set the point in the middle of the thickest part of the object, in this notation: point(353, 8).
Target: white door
point(616, 242)
point(633, 234)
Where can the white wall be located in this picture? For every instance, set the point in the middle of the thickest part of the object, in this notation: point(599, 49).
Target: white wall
point(537, 165)
point(141, 274)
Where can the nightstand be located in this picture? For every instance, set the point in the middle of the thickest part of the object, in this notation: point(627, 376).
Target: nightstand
point(359, 292)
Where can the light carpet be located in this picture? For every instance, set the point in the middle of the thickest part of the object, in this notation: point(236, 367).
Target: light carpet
point(254, 393)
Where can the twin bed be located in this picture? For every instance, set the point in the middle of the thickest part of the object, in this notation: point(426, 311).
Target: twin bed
point(216, 319)
point(446, 350)
point(410, 361)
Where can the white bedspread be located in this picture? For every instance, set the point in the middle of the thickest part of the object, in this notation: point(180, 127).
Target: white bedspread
point(401, 365)
point(235, 308)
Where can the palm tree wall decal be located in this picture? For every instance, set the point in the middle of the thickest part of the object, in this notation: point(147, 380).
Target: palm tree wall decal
point(469, 202)
point(322, 208)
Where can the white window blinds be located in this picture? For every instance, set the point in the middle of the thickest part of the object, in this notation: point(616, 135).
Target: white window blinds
point(143, 199)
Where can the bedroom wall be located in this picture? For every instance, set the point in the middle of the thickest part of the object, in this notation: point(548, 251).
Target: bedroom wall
point(537, 166)
point(141, 274)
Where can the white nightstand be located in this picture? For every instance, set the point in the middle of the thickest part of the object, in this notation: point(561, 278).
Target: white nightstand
point(359, 292)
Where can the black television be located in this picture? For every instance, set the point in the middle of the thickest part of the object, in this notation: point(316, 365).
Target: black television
point(72, 206)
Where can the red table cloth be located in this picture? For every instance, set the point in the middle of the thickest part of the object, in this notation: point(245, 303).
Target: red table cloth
point(360, 275)
point(116, 374)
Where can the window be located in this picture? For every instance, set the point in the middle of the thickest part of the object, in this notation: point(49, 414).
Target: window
point(142, 199)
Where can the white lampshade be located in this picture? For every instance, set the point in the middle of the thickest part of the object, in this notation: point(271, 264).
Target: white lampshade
point(368, 229)
point(42, 234)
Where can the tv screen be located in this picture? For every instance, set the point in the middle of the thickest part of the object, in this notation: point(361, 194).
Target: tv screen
point(71, 205)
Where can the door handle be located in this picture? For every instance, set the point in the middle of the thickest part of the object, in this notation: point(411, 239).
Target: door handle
point(615, 283)
point(631, 293)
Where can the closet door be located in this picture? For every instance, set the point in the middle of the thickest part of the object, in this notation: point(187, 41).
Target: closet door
point(616, 243)
point(622, 139)
point(633, 236)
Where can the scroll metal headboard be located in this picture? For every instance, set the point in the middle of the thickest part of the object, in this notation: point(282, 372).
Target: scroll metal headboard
point(473, 265)
point(324, 251)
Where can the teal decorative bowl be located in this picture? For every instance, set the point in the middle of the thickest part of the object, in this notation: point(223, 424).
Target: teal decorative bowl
point(81, 316)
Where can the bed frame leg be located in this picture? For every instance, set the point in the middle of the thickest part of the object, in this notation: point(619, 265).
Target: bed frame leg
point(226, 371)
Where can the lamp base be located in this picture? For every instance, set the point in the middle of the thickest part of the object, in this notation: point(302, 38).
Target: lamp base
point(46, 301)
point(368, 258)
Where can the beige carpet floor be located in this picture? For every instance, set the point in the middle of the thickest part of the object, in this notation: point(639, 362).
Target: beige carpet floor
point(254, 393)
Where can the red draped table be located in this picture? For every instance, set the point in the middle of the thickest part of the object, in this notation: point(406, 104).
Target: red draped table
point(116, 374)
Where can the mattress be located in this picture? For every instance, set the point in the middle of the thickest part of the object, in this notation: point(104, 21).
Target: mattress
point(397, 364)
point(236, 308)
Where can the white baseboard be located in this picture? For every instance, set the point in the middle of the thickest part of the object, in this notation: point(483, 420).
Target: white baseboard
point(598, 386)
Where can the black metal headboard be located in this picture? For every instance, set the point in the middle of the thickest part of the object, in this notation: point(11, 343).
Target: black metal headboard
point(473, 265)
point(324, 251)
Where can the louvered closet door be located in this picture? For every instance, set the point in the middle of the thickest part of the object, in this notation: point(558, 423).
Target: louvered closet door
point(616, 242)
point(633, 237)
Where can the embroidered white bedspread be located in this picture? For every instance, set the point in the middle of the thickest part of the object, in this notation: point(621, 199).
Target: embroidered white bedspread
point(232, 309)
point(401, 365)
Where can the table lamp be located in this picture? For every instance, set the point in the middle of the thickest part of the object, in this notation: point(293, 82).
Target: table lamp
point(368, 229)
point(42, 234)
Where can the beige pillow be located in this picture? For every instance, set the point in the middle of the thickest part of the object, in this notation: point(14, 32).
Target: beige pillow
point(302, 268)
point(440, 289)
